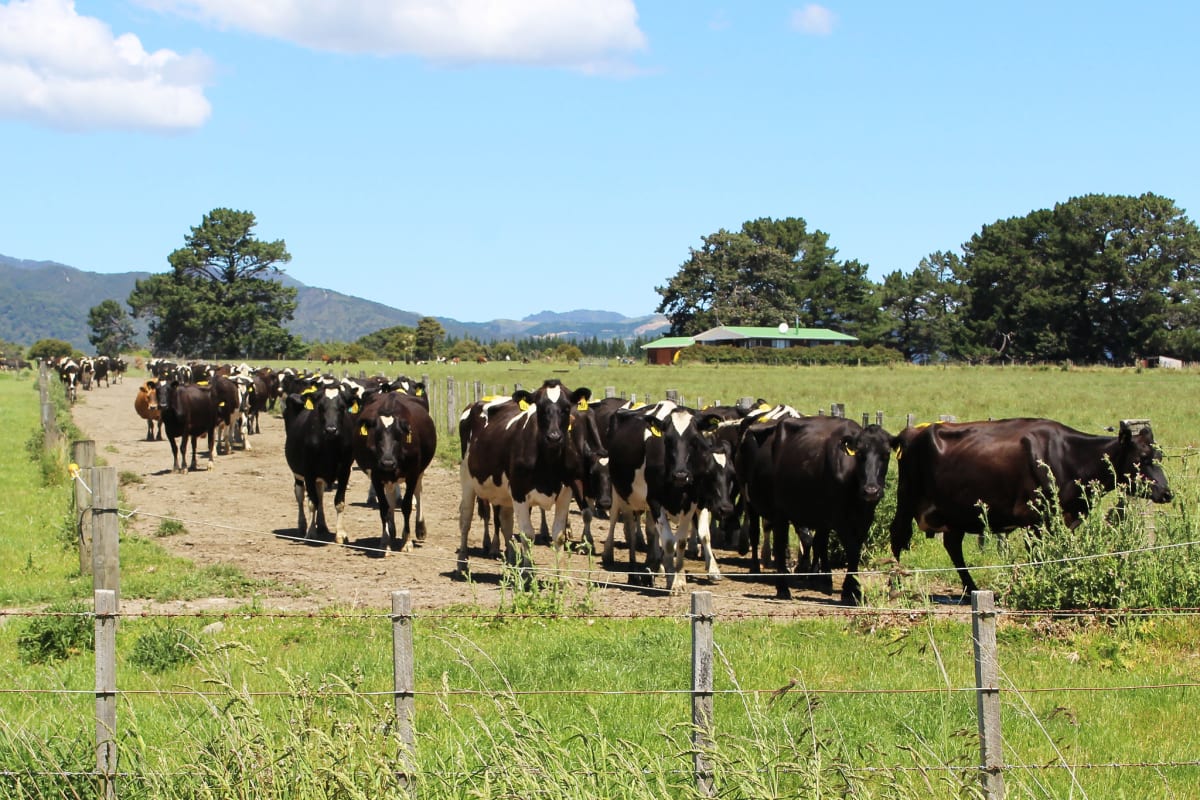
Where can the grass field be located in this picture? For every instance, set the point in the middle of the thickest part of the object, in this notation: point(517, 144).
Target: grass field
point(873, 705)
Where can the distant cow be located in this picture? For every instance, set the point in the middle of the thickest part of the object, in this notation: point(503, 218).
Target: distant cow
point(518, 453)
point(319, 449)
point(954, 476)
point(394, 441)
point(68, 373)
point(146, 405)
point(828, 474)
point(188, 412)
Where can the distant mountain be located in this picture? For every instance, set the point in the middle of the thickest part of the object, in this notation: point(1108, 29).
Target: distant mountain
point(48, 300)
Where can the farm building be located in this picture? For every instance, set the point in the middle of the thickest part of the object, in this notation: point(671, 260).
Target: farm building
point(782, 336)
point(665, 350)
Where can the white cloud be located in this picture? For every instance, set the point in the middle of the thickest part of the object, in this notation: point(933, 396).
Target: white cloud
point(578, 34)
point(68, 71)
point(813, 19)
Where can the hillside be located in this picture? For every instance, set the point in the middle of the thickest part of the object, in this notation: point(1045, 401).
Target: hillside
point(48, 300)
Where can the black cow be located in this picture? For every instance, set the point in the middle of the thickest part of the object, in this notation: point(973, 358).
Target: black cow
point(662, 464)
point(828, 474)
point(319, 449)
point(395, 440)
point(518, 453)
point(188, 412)
point(229, 395)
point(100, 367)
point(953, 475)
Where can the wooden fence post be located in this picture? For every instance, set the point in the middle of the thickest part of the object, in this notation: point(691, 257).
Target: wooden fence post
point(83, 456)
point(106, 564)
point(451, 406)
point(402, 661)
point(106, 690)
point(702, 690)
point(987, 685)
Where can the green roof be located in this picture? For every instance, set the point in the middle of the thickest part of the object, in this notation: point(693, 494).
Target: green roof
point(727, 333)
point(669, 341)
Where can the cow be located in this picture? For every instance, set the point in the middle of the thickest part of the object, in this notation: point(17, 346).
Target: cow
point(188, 411)
point(662, 464)
point(826, 474)
point(319, 449)
point(518, 453)
point(394, 441)
point(87, 370)
point(592, 487)
point(101, 366)
point(958, 478)
point(119, 366)
point(68, 373)
point(145, 403)
point(229, 394)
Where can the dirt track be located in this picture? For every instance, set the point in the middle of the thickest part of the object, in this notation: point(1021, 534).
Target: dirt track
point(243, 513)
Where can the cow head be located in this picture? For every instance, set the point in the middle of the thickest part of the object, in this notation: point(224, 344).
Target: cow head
point(686, 450)
point(1138, 462)
point(865, 455)
point(551, 407)
point(717, 478)
point(384, 436)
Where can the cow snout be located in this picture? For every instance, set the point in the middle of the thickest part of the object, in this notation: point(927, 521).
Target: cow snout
point(681, 477)
point(872, 493)
point(387, 462)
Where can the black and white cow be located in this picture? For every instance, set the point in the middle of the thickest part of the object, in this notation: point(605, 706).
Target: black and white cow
point(517, 454)
point(319, 448)
point(663, 464)
point(394, 441)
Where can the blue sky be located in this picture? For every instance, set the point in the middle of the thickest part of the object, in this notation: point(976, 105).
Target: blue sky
point(480, 159)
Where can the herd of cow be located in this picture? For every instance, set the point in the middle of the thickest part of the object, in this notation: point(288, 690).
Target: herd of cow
point(87, 372)
point(680, 472)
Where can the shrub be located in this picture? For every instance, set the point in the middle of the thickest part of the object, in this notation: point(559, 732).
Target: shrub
point(164, 648)
point(66, 629)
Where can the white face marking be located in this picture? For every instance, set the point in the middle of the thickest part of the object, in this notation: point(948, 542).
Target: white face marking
point(680, 421)
point(554, 392)
point(331, 393)
point(720, 459)
point(603, 461)
point(387, 421)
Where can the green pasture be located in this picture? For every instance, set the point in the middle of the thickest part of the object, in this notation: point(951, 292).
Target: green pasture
point(869, 705)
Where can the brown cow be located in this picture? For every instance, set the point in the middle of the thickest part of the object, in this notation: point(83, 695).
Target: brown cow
point(955, 476)
point(146, 406)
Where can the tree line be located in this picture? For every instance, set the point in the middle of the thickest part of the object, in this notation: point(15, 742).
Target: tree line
point(1096, 279)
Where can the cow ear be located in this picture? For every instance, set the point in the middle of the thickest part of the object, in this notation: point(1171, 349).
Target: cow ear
point(654, 425)
point(709, 423)
point(848, 445)
point(580, 398)
point(524, 398)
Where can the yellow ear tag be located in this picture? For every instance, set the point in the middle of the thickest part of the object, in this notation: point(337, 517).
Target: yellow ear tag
point(848, 449)
point(308, 404)
point(583, 406)
point(408, 439)
point(656, 431)
point(420, 392)
point(363, 430)
point(354, 408)
point(524, 406)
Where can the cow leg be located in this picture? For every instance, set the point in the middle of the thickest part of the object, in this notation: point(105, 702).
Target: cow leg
point(386, 495)
point(158, 436)
point(316, 507)
point(420, 529)
point(301, 523)
point(543, 532)
point(210, 451)
point(339, 504)
point(175, 463)
point(562, 510)
point(818, 557)
point(673, 545)
point(466, 508)
point(851, 588)
point(485, 513)
point(149, 430)
point(406, 504)
point(953, 541)
point(606, 556)
point(521, 530)
point(779, 538)
point(704, 534)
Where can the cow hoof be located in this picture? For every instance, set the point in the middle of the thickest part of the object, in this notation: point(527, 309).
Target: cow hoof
point(714, 577)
